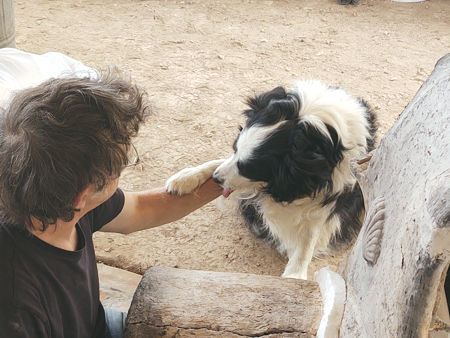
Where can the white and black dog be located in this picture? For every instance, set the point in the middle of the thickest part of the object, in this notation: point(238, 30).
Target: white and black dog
point(289, 175)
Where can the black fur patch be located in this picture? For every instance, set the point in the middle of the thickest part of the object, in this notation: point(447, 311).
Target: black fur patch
point(271, 107)
point(349, 208)
point(255, 222)
point(297, 160)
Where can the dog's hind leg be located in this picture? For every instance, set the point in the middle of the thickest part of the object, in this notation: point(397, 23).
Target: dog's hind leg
point(187, 180)
point(297, 266)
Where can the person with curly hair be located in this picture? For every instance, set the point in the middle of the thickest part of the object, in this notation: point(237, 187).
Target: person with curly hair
point(65, 137)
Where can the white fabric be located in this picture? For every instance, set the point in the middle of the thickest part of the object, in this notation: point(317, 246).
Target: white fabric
point(20, 70)
point(333, 290)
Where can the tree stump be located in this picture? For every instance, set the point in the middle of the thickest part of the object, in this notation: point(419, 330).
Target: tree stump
point(176, 302)
point(395, 272)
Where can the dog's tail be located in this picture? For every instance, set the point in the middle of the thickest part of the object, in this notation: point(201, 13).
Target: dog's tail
point(372, 125)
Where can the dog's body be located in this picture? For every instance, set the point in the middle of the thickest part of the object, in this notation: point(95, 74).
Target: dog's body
point(290, 175)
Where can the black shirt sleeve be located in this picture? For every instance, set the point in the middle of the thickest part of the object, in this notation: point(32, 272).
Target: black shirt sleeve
point(108, 210)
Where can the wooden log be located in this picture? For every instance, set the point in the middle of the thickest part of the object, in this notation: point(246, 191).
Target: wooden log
point(395, 272)
point(117, 286)
point(175, 302)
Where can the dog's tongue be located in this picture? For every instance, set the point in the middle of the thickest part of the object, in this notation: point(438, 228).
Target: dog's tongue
point(226, 192)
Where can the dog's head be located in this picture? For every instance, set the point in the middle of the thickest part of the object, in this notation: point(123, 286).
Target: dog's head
point(279, 151)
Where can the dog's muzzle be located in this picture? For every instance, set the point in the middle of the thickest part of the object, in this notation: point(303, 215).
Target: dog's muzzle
point(219, 180)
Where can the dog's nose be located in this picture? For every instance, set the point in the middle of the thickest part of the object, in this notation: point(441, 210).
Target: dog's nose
point(217, 179)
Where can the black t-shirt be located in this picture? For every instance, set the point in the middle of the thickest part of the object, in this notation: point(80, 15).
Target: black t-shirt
point(50, 292)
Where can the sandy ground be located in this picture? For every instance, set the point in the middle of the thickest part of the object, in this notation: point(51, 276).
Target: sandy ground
point(199, 60)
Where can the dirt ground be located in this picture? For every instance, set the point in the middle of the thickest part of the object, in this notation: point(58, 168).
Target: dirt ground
point(199, 60)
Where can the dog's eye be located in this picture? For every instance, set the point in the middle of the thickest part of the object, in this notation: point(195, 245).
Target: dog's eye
point(240, 128)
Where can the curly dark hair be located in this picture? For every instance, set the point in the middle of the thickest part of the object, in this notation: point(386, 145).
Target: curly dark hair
point(61, 136)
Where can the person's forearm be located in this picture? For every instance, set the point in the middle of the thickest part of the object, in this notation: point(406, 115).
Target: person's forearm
point(158, 207)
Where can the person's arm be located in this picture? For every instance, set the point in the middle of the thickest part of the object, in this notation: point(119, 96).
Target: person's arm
point(148, 209)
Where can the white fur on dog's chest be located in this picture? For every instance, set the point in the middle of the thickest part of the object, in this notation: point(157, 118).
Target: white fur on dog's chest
point(290, 223)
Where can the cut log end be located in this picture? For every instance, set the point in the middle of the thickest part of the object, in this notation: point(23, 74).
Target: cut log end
point(179, 302)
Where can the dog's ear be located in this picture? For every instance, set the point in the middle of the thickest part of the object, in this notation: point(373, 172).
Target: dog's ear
point(261, 101)
point(273, 106)
point(307, 167)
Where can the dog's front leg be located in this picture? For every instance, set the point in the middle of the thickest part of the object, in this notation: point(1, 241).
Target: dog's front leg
point(297, 266)
point(187, 180)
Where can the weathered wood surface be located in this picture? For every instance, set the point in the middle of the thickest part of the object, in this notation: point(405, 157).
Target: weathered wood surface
point(395, 271)
point(7, 27)
point(117, 286)
point(175, 302)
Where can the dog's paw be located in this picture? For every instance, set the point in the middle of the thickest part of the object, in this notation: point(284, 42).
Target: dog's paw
point(185, 181)
point(189, 179)
point(296, 275)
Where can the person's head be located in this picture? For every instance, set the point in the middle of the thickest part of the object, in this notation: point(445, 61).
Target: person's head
point(61, 137)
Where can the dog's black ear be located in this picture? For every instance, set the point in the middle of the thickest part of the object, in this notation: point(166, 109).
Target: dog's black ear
point(307, 167)
point(261, 101)
point(272, 107)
